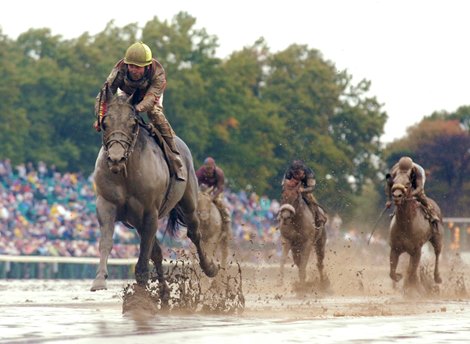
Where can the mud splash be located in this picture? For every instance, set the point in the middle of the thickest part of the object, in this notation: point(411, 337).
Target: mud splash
point(188, 291)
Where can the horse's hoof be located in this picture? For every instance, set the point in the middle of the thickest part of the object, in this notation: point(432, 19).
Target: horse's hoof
point(437, 279)
point(396, 277)
point(99, 284)
point(211, 270)
point(325, 284)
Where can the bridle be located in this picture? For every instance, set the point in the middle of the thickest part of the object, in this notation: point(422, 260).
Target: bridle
point(404, 189)
point(121, 137)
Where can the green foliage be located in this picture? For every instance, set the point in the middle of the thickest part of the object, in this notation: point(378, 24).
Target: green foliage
point(253, 112)
point(440, 144)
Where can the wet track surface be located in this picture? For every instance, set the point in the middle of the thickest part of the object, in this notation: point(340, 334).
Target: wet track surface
point(362, 307)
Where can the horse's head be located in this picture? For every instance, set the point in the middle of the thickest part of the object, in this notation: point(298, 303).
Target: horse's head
point(401, 188)
point(204, 201)
point(120, 127)
point(289, 200)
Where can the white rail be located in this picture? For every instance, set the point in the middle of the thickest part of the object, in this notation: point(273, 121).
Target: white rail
point(70, 260)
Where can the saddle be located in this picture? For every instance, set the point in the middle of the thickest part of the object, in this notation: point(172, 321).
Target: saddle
point(160, 141)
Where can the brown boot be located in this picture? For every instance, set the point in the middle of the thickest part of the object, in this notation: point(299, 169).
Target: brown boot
point(160, 122)
point(175, 158)
point(433, 215)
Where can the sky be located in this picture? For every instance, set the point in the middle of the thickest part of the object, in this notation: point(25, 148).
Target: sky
point(416, 53)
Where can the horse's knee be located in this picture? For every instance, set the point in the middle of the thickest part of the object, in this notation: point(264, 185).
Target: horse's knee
point(194, 235)
point(395, 277)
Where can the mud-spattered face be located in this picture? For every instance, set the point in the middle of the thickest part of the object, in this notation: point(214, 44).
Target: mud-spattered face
point(401, 187)
point(119, 127)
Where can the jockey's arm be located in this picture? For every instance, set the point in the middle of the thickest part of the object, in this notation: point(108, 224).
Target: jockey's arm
point(155, 92)
point(419, 185)
point(112, 83)
point(311, 182)
point(219, 188)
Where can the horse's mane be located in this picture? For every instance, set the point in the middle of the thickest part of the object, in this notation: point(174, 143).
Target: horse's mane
point(120, 98)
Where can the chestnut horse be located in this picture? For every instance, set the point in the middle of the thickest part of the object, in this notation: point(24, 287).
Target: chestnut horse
point(134, 185)
point(410, 229)
point(299, 233)
point(213, 236)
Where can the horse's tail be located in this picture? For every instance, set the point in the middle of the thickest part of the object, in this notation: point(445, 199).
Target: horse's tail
point(174, 221)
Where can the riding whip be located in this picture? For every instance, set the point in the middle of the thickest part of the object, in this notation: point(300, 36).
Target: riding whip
point(376, 223)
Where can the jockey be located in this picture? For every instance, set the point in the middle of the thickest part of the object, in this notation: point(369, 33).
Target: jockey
point(142, 76)
point(299, 172)
point(213, 176)
point(417, 177)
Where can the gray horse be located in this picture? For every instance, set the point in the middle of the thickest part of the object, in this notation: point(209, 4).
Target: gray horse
point(299, 233)
point(213, 237)
point(134, 185)
point(410, 229)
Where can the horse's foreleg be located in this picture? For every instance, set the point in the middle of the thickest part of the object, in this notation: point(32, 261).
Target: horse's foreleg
point(157, 259)
point(192, 223)
point(224, 251)
point(106, 213)
point(147, 242)
point(320, 252)
point(394, 255)
point(285, 252)
point(412, 277)
point(304, 256)
point(436, 242)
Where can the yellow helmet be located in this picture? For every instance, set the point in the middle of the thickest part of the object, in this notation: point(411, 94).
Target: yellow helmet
point(405, 164)
point(138, 54)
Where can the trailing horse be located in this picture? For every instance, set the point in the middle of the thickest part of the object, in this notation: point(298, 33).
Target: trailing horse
point(299, 233)
point(410, 229)
point(213, 236)
point(134, 185)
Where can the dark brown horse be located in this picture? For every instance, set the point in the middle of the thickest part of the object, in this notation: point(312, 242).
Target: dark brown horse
point(213, 236)
point(134, 186)
point(299, 233)
point(410, 229)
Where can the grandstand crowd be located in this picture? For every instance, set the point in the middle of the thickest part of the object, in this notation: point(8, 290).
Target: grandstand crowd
point(49, 213)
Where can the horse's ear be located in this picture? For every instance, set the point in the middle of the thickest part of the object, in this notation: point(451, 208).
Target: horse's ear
point(130, 98)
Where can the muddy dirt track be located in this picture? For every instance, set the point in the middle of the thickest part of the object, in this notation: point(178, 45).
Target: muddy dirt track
point(361, 298)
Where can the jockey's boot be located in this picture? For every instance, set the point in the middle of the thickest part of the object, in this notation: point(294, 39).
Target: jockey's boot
point(159, 120)
point(433, 215)
point(319, 218)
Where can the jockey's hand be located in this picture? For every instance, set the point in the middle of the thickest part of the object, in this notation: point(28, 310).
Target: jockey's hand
point(138, 108)
point(301, 189)
point(388, 204)
point(96, 126)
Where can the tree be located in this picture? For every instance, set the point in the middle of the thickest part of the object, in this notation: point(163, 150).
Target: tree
point(329, 123)
point(441, 146)
point(14, 125)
